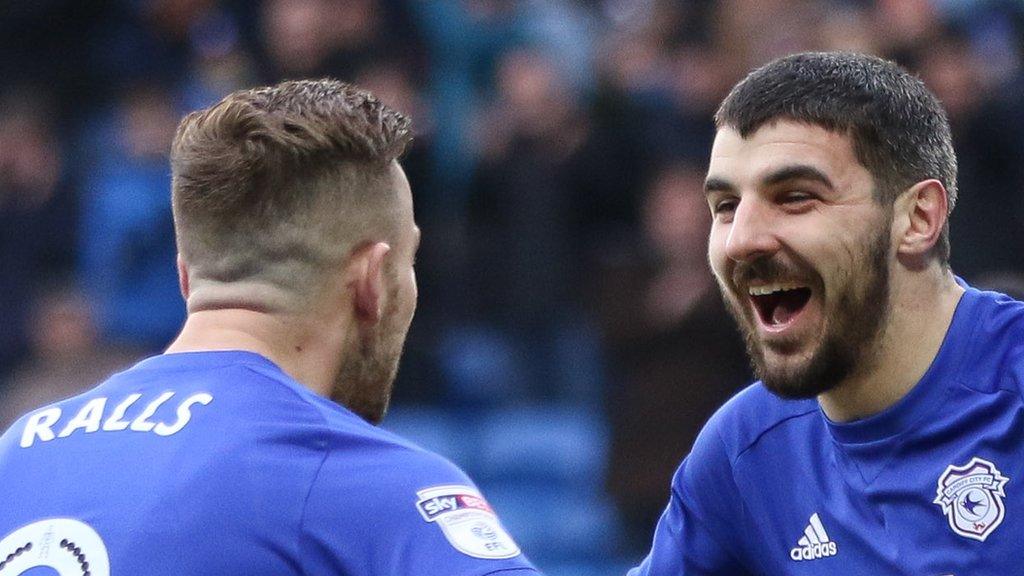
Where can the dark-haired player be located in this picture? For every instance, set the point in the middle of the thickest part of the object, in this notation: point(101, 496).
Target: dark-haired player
point(885, 434)
point(227, 455)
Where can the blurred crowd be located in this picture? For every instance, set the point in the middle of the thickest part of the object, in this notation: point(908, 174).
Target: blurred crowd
point(557, 170)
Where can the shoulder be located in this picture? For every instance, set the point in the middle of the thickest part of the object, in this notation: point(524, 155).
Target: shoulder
point(994, 358)
point(382, 505)
point(354, 443)
point(998, 315)
point(355, 452)
point(707, 506)
point(747, 417)
point(363, 459)
point(709, 471)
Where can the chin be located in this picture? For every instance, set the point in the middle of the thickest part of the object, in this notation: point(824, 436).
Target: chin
point(802, 379)
point(789, 387)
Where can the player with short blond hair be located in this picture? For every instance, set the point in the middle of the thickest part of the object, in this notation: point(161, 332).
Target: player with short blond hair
point(227, 455)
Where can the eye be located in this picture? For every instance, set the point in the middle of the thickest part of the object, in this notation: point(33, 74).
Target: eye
point(724, 206)
point(796, 198)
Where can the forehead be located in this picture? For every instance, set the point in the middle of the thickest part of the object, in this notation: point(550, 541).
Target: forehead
point(748, 160)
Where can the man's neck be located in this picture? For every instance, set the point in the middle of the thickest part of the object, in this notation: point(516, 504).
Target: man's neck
point(294, 345)
point(922, 311)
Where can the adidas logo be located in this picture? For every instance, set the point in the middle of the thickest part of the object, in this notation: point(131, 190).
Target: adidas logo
point(815, 543)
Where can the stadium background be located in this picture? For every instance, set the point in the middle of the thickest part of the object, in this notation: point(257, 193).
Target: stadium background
point(569, 341)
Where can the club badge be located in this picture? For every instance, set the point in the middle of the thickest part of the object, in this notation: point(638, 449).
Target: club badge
point(971, 496)
point(467, 521)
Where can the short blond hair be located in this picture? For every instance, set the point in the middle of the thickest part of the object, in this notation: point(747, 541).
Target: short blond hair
point(271, 186)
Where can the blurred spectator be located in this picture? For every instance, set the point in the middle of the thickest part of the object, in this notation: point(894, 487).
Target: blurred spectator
point(989, 213)
point(37, 214)
point(752, 32)
point(220, 62)
point(566, 28)
point(312, 38)
point(849, 28)
point(127, 238)
point(464, 39)
point(675, 355)
point(146, 40)
point(538, 198)
point(66, 356)
point(903, 26)
point(665, 83)
point(552, 170)
point(299, 33)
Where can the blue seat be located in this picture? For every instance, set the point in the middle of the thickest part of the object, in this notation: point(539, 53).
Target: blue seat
point(553, 523)
point(479, 365)
point(562, 444)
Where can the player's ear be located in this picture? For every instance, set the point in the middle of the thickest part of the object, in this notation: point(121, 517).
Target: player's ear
point(920, 215)
point(366, 279)
point(183, 278)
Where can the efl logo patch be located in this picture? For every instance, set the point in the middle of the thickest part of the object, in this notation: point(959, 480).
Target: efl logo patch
point(972, 498)
point(467, 521)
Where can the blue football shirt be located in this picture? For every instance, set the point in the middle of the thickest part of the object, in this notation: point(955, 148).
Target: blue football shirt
point(932, 486)
point(218, 463)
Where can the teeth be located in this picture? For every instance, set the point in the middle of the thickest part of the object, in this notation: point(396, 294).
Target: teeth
point(772, 288)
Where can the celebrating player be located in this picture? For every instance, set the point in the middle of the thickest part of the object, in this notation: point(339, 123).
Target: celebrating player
point(226, 455)
point(885, 433)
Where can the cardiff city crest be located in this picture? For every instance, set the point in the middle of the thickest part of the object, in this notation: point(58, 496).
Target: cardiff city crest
point(971, 496)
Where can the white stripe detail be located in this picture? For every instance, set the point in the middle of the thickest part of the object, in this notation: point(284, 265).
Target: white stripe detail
point(818, 528)
point(815, 543)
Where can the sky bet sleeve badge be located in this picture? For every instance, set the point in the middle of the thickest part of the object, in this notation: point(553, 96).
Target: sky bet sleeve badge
point(467, 521)
point(972, 498)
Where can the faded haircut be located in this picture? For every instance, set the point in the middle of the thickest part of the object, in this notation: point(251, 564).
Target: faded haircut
point(899, 129)
point(271, 186)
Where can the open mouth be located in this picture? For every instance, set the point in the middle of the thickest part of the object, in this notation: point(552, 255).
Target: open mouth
point(779, 304)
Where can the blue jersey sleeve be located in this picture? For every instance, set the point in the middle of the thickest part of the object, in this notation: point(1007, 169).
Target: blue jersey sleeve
point(404, 511)
point(699, 533)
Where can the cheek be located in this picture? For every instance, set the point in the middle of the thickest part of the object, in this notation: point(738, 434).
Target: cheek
point(716, 251)
point(414, 290)
point(410, 295)
point(849, 261)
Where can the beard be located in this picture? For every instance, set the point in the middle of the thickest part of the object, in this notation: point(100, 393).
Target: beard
point(851, 327)
point(367, 375)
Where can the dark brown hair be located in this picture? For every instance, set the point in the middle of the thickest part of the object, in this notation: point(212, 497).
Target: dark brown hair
point(899, 129)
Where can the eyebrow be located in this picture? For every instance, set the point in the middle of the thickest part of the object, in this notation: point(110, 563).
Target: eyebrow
point(796, 172)
point(714, 184)
point(784, 174)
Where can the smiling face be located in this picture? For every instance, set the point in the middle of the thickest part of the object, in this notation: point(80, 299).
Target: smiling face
point(801, 250)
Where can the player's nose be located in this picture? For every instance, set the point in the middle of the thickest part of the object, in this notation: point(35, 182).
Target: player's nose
point(752, 233)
